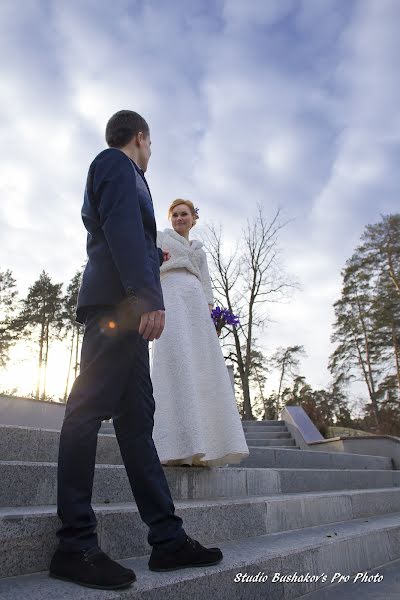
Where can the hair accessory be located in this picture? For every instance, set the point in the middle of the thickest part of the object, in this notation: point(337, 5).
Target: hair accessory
point(196, 210)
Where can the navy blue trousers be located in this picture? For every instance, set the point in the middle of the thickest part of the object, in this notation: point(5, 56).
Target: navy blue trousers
point(114, 382)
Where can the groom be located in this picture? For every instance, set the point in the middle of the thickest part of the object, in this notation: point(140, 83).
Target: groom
point(120, 302)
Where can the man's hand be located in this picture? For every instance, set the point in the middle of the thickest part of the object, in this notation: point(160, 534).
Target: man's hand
point(152, 324)
point(166, 255)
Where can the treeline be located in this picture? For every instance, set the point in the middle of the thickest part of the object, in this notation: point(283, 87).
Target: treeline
point(367, 322)
point(47, 313)
point(366, 334)
point(325, 406)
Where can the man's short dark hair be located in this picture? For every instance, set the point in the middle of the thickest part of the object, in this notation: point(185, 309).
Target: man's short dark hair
point(123, 126)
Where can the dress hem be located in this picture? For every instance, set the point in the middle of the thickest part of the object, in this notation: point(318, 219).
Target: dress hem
point(196, 460)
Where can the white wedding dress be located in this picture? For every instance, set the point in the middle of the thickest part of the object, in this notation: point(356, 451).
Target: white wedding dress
point(196, 420)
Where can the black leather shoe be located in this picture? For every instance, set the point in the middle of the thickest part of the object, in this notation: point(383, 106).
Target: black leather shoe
point(90, 568)
point(190, 554)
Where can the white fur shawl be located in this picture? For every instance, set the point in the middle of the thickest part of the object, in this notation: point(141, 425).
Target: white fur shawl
point(186, 255)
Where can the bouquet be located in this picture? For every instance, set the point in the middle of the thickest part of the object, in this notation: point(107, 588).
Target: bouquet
point(223, 317)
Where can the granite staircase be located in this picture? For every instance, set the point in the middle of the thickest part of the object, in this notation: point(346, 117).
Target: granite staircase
point(283, 511)
point(268, 434)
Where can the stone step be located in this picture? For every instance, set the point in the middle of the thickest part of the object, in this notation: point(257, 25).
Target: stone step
point(382, 583)
point(270, 431)
point(347, 547)
point(269, 442)
point(247, 428)
point(263, 423)
point(27, 535)
point(267, 435)
point(41, 445)
point(33, 484)
point(290, 458)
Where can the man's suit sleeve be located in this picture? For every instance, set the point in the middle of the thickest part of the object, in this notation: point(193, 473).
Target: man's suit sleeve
point(114, 186)
point(160, 254)
point(159, 244)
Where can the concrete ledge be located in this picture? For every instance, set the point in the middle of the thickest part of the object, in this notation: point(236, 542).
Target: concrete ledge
point(28, 412)
point(290, 458)
point(41, 445)
point(308, 437)
point(380, 445)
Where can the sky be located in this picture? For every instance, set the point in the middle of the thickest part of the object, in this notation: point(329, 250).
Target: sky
point(287, 104)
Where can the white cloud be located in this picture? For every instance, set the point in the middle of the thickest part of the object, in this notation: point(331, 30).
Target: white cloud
point(240, 15)
point(360, 186)
point(283, 103)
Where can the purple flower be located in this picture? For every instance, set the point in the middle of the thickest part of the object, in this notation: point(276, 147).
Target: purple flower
point(223, 317)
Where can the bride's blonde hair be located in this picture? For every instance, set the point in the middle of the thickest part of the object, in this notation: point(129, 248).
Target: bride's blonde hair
point(188, 203)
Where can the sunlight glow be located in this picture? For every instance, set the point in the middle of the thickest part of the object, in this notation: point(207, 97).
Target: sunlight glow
point(21, 372)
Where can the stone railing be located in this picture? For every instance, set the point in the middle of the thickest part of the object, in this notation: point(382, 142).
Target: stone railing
point(308, 437)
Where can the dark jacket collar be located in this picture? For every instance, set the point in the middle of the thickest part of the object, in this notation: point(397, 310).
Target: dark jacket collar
point(141, 173)
point(138, 169)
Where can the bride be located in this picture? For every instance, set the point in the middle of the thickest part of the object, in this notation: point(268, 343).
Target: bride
point(196, 420)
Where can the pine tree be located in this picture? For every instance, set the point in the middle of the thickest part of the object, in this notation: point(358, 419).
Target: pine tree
point(72, 328)
point(367, 324)
point(380, 255)
point(386, 318)
point(381, 248)
point(8, 305)
point(41, 315)
point(287, 360)
point(357, 345)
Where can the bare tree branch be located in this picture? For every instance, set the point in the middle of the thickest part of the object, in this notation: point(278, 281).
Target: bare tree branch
point(246, 280)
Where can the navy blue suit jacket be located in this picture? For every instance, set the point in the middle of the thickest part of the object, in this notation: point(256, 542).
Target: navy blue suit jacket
point(123, 260)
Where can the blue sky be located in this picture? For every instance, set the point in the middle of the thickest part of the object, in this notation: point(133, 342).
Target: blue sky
point(288, 103)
